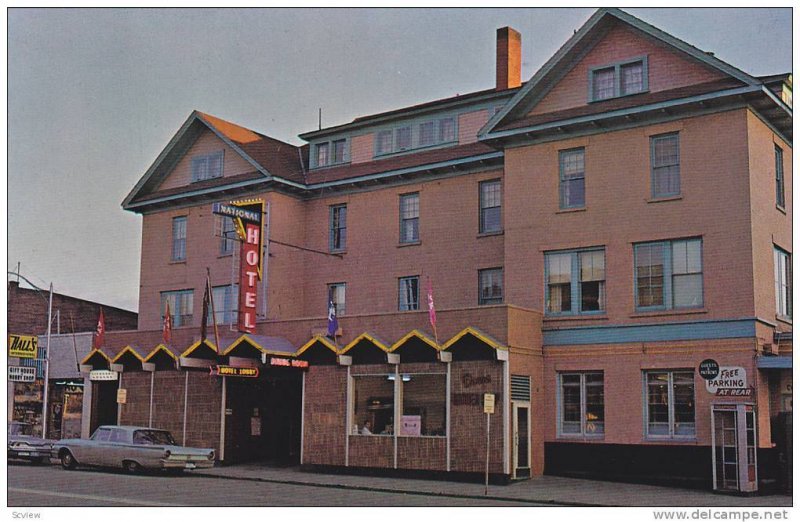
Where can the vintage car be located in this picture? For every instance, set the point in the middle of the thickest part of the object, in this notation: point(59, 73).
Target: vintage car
point(22, 444)
point(134, 448)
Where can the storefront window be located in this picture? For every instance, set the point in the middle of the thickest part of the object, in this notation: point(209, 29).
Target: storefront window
point(670, 404)
point(373, 405)
point(424, 405)
point(582, 404)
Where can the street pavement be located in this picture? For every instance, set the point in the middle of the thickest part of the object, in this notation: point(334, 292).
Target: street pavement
point(259, 485)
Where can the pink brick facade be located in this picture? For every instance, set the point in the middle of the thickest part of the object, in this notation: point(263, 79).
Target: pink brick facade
point(726, 165)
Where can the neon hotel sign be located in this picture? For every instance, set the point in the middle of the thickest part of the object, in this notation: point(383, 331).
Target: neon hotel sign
point(247, 218)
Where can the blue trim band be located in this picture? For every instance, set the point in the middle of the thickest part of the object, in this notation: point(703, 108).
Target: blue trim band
point(685, 331)
point(782, 362)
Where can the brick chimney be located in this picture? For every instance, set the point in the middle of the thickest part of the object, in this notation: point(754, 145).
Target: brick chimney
point(509, 58)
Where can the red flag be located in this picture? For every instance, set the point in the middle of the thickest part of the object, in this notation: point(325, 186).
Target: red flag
point(204, 318)
point(431, 308)
point(100, 333)
point(167, 333)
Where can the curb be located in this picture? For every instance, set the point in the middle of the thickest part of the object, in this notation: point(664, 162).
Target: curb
point(547, 502)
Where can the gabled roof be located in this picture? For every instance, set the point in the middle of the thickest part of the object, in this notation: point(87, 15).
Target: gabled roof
point(580, 43)
point(271, 159)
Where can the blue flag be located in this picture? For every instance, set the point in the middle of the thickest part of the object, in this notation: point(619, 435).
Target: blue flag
point(333, 323)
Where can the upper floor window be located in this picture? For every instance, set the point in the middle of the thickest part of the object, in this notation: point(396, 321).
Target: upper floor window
point(228, 240)
point(408, 293)
point(338, 228)
point(181, 304)
point(783, 283)
point(491, 286)
point(207, 166)
point(572, 191)
point(226, 301)
point(416, 135)
point(620, 79)
point(491, 198)
point(576, 281)
point(336, 295)
point(780, 194)
point(669, 274)
point(670, 403)
point(383, 141)
point(582, 404)
point(409, 218)
point(329, 153)
point(179, 238)
point(665, 165)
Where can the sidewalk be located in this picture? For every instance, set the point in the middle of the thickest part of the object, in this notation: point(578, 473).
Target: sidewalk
point(546, 489)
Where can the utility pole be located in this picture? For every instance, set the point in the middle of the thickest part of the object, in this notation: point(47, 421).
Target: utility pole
point(47, 363)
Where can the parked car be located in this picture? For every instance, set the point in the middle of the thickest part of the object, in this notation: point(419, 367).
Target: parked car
point(133, 448)
point(22, 444)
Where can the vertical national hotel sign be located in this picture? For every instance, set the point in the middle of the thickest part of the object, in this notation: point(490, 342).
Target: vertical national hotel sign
point(247, 217)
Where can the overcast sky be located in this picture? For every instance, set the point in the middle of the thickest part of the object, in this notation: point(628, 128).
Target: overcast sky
point(94, 95)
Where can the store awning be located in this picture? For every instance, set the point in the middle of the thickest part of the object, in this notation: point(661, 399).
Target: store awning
point(780, 362)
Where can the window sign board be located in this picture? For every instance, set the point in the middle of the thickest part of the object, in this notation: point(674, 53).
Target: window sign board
point(411, 425)
point(488, 403)
point(21, 374)
point(22, 346)
point(103, 375)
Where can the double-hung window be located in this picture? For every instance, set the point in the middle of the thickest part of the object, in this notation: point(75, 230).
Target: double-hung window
point(581, 404)
point(336, 295)
point(780, 194)
point(383, 142)
point(491, 199)
point(322, 154)
point(409, 218)
point(337, 152)
point(329, 153)
point(181, 305)
point(783, 283)
point(665, 170)
point(576, 282)
point(403, 138)
point(338, 228)
point(669, 274)
point(408, 293)
point(207, 166)
point(491, 286)
point(619, 79)
point(228, 240)
point(572, 189)
point(670, 403)
point(447, 129)
point(226, 300)
point(179, 238)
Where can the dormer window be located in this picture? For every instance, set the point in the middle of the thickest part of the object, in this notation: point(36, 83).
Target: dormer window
point(329, 153)
point(403, 138)
point(416, 135)
point(207, 166)
point(619, 79)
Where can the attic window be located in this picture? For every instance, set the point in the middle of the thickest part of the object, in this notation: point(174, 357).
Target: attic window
point(207, 166)
point(619, 79)
point(329, 153)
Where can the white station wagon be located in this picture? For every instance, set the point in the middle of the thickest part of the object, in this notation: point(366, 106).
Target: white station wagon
point(133, 448)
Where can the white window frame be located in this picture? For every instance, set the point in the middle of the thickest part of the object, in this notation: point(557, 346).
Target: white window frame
point(668, 275)
point(654, 168)
point(339, 304)
point(180, 230)
point(584, 432)
point(404, 220)
point(402, 284)
point(487, 275)
point(484, 206)
point(178, 298)
point(783, 283)
point(670, 405)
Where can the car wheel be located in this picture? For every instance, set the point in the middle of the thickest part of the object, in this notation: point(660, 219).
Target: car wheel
point(67, 460)
point(131, 466)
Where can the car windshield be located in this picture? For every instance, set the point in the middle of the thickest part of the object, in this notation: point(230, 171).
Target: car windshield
point(20, 428)
point(153, 437)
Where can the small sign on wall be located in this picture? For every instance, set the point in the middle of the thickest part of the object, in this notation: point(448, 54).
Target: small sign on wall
point(488, 403)
point(730, 382)
point(411, 425)
point(122, 396)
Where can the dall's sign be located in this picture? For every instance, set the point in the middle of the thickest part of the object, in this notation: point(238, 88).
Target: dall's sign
point(248, 220)
point(22, 346)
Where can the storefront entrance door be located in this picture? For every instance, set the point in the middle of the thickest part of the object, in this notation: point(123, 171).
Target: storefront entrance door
point(734, 447)
point(522, 437)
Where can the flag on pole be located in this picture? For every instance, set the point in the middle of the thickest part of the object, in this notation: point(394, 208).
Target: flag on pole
point(167, 330)
point(204, 317)
point(431, 308)
point(100, 332)
point(432, 311)
point(333, 323)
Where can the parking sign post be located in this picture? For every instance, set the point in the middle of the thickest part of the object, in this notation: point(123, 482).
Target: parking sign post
point(488, 409)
